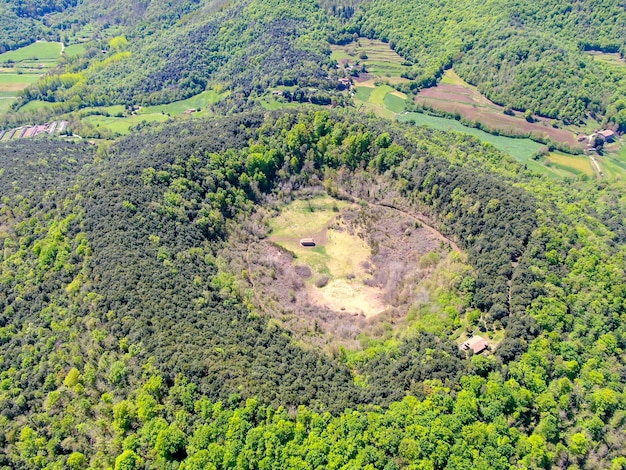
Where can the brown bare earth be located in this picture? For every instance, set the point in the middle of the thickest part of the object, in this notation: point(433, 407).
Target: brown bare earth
point(464, 99)
point(402, 254)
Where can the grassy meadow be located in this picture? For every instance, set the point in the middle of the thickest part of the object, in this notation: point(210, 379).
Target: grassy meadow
point(198, 102)
point(122, 125)
point(338, 256)
point(38, 51)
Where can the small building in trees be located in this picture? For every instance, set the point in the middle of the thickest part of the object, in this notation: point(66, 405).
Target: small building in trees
point(477, 344)
point(609, 135)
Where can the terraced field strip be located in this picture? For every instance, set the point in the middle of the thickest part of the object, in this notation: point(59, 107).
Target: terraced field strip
point(379, 60)
point(24, 66)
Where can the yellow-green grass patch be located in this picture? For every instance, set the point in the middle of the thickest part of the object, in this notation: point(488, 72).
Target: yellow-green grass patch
point(75, 50)
point(451, 77)
point(303, 218)
point(350, 295)
point(378, 94)
point(608, 58)
point(577, 164)
point(5, 104)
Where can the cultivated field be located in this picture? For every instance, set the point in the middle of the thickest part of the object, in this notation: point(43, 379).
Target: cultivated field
point(520, 148)
point(40, 51)
point(379, 60)
point(383, 66)
point(453, 95)
point(380, 99)
point(24, 66)
point(524, 150)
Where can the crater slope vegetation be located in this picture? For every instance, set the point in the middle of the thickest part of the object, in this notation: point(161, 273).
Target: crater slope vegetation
point(141, 325)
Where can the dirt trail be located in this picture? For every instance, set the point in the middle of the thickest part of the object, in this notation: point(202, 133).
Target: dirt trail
point(594, 162)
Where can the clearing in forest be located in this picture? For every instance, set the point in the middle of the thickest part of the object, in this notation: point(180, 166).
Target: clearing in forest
point(608, 58)
point(336, 261)
point(376, 57)
point(118, 121)
point(454, 95)
point(370, 266)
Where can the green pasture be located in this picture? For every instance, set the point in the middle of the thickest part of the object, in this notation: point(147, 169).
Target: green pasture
point(363, 93)
point(521, 149)
point(9, 79)
point(75, 50)
point(5, 104)
point(122, 125)
point(37, 51)
point(36, 105)
point(613, 164)
point(394, 103)
point(200, 101)
point(381, 100)
point(524, 150)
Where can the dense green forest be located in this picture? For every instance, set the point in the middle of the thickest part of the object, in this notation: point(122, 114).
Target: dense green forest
point(134, 332)
point(126, 341)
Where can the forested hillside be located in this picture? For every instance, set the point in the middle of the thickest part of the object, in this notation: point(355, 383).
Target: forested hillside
point(527, 56)
point(297, 286)
point(126, 340)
